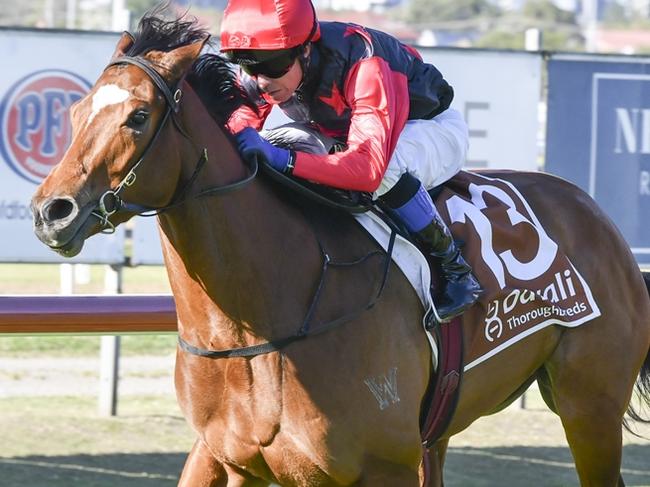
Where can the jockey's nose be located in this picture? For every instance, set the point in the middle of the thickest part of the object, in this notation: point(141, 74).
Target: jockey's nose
point(263, 82)
point(54, 210)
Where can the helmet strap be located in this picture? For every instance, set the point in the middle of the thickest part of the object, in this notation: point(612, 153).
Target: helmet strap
point(304, 60)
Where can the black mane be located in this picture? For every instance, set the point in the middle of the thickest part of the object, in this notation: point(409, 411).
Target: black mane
point(211, 76)
point(215, 82)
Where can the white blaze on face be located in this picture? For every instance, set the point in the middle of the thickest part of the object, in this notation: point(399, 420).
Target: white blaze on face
point(107, 95)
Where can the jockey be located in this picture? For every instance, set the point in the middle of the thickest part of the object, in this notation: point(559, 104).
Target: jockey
point(369, 115)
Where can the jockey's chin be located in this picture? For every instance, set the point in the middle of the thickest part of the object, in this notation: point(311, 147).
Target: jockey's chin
point(278, 96)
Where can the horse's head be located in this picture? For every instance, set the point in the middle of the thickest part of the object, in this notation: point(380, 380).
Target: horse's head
point(114, 128)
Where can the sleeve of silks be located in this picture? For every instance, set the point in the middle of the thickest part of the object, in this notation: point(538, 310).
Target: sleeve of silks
point(246, 117)
point(379, 100)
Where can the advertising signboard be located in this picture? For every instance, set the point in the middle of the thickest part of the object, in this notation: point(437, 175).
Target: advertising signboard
point(598, 136)
point(44, 72)
point(498, 92)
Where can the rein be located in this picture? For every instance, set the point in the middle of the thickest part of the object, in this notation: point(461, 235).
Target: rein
point(111, 202)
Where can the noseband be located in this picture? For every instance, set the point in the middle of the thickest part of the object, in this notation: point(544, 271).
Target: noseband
point(110, 202)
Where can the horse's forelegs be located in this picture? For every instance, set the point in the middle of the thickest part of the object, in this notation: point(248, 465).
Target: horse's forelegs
point(202, 469)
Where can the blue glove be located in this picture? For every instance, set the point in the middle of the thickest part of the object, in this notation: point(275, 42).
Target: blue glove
point(250, 143)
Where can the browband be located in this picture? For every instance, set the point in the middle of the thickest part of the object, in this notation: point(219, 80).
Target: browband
point(173, 99)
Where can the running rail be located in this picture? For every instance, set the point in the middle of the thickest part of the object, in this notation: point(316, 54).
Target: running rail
point(103, 314)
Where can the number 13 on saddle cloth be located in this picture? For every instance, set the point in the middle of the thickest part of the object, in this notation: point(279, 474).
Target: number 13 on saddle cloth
point(528, 282)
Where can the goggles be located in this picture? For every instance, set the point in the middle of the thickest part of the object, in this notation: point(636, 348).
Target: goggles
point(272, 67)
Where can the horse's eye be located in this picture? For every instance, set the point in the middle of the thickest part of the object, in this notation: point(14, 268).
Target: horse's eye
point(138, 118)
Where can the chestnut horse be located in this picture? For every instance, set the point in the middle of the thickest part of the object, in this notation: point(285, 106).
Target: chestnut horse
point(245, 263)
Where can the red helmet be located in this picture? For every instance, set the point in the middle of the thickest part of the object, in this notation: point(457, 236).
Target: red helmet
point(268, 25)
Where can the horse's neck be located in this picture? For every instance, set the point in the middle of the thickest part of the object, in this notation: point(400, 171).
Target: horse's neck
point(233, 259)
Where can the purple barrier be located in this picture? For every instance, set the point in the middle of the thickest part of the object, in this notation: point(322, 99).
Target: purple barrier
point(87, 314)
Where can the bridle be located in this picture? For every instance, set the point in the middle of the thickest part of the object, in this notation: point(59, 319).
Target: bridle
point(111, 202)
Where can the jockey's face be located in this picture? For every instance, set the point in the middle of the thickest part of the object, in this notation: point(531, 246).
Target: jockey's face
point(279, 90)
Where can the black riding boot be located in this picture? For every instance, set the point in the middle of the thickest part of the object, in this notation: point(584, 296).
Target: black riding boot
point(460, 288)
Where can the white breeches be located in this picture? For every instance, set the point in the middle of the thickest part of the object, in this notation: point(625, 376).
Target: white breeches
point(431, 150)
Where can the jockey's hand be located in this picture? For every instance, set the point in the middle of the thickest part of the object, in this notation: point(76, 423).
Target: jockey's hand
point(250, 144)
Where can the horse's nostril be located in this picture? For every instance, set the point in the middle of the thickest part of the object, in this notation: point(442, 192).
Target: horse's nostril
point(57, 209)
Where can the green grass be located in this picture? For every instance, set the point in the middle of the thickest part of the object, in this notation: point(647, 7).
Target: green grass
point(45, 279)
point(70, 425)
point(84, 346)
point(62, 442)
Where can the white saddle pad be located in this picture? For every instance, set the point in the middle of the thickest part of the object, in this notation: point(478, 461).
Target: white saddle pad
point(410, 261)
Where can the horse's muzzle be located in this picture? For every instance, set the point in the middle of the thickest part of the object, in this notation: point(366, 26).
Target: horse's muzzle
point(57, 223)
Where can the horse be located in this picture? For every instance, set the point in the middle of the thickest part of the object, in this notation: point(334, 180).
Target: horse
point(247, 266)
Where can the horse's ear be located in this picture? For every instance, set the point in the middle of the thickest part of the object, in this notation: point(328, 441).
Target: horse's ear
point(123, 45)
point(178, 61)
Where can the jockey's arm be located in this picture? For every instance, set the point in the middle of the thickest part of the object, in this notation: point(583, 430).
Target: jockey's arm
point(246, 117)
point(379, 101)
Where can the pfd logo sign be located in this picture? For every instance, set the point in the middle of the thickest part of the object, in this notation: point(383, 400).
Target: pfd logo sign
point(35, 121)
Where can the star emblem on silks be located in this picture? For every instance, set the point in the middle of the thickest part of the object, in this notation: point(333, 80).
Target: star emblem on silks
point(351, 30)
point(335, 100)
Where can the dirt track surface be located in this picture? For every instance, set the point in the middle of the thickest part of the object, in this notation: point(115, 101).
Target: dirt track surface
point(79, 376)
point(61, 442)
point(527, 448)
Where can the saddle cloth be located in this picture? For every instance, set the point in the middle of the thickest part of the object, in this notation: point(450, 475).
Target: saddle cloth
point(528, 282)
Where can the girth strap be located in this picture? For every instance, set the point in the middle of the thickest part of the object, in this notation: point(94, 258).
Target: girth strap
point(440, 402)
point(305, 329)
